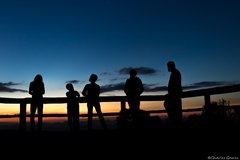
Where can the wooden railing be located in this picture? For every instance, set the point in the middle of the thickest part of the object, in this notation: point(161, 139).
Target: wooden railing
point(122, 99)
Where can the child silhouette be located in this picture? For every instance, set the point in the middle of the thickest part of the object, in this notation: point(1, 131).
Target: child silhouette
point(72, 107)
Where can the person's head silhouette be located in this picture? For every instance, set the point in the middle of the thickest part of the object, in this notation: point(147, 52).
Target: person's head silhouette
point(133, 73)
point(69, 87)
point(38, 78)
point(171, 66)
point(93, 78)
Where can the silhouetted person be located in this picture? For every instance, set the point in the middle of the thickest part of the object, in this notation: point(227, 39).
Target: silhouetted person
point(133, 88)
point(91, 91)
point(36, 89)
point(72, 107)
point(173, 102)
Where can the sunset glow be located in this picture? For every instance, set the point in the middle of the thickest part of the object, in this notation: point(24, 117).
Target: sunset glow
point(67, 41)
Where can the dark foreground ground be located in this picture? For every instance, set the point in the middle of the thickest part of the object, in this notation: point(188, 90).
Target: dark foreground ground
point(152, 143)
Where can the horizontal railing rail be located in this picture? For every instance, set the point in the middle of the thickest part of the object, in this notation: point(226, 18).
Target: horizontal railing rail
point(207, 92)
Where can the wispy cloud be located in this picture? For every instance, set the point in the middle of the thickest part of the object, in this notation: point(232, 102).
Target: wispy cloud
point(206, 84)
point(74, 81)
point(114, 79)
point(7, 87)
point(154, 88)
point(105, 74)
point(157, 88)
point(112, 87)
point(120, 87)
point(140, 70)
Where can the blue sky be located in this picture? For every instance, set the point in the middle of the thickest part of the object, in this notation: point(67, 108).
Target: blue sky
point(67, 40)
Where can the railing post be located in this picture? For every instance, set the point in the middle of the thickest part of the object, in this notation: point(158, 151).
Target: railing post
point(123, 105)
point(22, 118)
point(207, 100)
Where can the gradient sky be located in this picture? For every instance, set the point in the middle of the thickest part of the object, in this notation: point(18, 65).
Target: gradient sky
point(67, 40)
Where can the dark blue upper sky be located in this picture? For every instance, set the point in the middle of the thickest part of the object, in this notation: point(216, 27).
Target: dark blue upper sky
point(67, 40)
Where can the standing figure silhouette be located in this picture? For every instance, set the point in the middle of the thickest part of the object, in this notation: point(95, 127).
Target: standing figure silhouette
point(133, 88)
point(173, 102)
point(72, 107)
point(91, 91)
point(36, 89)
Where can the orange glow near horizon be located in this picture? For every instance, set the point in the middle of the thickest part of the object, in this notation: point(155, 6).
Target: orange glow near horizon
point(193, 102)
point(11, 109)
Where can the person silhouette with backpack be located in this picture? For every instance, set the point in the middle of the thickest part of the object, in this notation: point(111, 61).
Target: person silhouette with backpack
point(133, 88)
